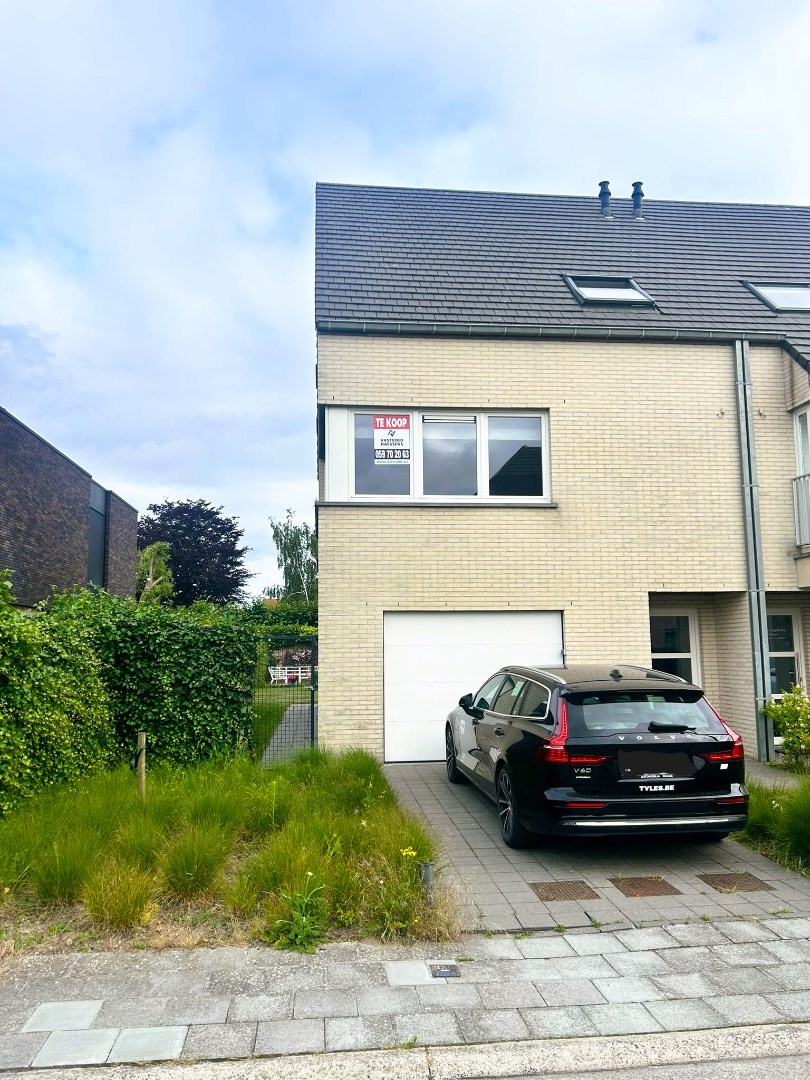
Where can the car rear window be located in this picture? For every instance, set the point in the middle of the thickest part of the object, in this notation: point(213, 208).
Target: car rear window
point(605, 712)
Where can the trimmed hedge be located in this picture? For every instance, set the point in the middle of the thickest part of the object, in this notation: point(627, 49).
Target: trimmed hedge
point(55, 724)
point(182, 675)
point(80, 676)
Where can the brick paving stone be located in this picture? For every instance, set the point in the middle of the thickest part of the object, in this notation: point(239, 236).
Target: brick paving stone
point(789, 928)
point(583, 967)
point(450, 995)
point(144, 1012)
point(350, 976)
point(312, 1004)
point(63, 1016)
point(261, 1007)
point(738, 931)
point(790, 951)
point(290, 1037)
point(795, 1004)
point(745, 1009)
point(543, 948)
point(492, 1025)
point(698, 958)
point(644, 939)
point(149, 1044)
point(359, 1033)
point(12, 1017)
point(685, 1015)
point(527, 970)
point(207, 1042)
point(641, 963)
point(628, 988)
point(387, 999)
point(18, 1051)
point(516, 995)
point(407, 973)
point(692, 985)
point(560, 1023)
point(498, 948)
point(743, 980)
point(623, 1019)
point(569, 992)
point(597, 944)
point(792, 976)
point(750, 955)
point(73, 1047)
point(429, 1029)
point(196, 1010)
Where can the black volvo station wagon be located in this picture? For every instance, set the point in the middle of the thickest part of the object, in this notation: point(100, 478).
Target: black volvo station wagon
point(598, 750)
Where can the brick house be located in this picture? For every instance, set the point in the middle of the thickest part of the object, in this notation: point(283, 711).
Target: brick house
point(557, 429)
point(58, 527)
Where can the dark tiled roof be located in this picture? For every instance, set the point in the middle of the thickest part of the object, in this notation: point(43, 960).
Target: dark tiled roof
point(414, 260)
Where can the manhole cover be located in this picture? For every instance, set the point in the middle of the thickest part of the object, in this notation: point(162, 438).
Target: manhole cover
point(445, 971)
point(644, 886)
point(736, 883)
point(563, 890)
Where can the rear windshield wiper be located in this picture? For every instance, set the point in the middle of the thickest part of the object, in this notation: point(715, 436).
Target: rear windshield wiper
point(663, 725)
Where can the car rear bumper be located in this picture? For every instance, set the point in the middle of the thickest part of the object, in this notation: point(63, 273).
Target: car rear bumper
point(624, 826)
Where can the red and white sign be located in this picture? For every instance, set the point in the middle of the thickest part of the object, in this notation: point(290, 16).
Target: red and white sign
point(392, 439)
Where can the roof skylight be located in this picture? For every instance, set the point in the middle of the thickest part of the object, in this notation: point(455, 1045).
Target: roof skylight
point(607, 290)
point(794, 296)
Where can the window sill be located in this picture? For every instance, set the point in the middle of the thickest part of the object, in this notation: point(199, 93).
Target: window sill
point(425, 504)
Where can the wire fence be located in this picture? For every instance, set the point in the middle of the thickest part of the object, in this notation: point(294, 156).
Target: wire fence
point(285, 696)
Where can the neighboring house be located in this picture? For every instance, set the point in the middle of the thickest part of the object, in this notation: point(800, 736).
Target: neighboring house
point(557, 429)
point(58, 527)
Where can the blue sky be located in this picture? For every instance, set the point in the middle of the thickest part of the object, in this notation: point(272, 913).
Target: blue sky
point(157, 170)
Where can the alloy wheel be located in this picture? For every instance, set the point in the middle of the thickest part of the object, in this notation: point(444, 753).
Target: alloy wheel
point(506, 804)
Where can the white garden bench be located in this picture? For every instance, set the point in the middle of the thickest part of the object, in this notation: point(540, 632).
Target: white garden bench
point(283, 676)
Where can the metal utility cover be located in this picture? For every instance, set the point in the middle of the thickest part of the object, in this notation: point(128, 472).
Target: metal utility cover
point(445, 971)
point(563, 890)
point(736, 882)
point(644, 886)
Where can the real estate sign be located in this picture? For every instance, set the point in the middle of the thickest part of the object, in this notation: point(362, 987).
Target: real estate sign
point(392, 439)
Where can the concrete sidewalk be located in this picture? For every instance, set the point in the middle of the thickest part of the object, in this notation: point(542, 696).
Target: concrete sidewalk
point(239, 1003)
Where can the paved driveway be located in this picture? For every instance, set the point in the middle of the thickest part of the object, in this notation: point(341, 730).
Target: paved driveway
point(494, 881)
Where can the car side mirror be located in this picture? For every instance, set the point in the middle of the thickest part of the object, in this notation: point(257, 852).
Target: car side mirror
point(466, 703)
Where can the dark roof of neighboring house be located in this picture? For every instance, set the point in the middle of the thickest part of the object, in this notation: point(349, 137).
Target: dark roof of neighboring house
point(410, 260)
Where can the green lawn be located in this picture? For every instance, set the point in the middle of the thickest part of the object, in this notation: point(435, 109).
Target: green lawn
point(269, 705)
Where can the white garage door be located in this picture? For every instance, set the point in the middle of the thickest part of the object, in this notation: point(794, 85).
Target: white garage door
point(431, 658)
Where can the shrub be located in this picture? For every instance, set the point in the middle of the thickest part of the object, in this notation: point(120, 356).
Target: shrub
point(791, 720)
point(55, 724)
point(118, 895)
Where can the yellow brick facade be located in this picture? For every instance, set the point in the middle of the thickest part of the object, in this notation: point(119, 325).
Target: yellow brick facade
point(645, 479)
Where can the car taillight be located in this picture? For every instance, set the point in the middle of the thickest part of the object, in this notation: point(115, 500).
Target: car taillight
point(586, 805)
point(732, 799)
point(554, 750)
point(736, 753)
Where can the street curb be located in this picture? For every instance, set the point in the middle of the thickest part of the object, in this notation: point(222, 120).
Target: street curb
point(537, 1057)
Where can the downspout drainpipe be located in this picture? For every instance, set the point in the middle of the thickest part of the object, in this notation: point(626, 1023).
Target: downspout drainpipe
point(755, 573)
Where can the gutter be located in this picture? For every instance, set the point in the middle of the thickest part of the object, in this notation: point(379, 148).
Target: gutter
point(586, 333)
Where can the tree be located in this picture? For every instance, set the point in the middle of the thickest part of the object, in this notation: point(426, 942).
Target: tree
point(153, 580)
point(297, 548)
point(204, 554)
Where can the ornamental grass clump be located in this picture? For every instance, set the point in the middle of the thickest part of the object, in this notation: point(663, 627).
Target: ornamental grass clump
point(192, 860)
point(779, 823)
point(118, 895)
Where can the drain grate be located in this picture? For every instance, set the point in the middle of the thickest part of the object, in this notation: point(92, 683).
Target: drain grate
point(563, 890)
point(644, 886)
point(736, 883)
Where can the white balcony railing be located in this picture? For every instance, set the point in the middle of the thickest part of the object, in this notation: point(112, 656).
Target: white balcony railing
point(801, 509)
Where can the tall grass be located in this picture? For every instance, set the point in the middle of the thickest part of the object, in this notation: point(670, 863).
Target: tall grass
point(319, 834)
point(779, 823)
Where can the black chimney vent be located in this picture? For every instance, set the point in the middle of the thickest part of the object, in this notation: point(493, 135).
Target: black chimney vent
point(638, 195)
point(604, 198)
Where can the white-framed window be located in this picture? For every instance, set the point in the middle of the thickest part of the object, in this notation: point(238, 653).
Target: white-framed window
point(802, 429)
point(446, 455)
point(674, 642)
point(606, 290)
point(784, 650)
